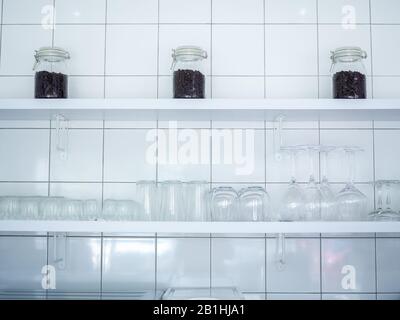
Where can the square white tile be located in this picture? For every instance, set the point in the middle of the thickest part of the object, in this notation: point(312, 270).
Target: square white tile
point(348, 296)
point(131, 50)
point(288, 11)
point(23, 189)
point(295, 296)
point(128, 11)
point(238, 263)
point(345, 12)
point(17, 57)
point(128, 265)
point(281, 40)
point(17, 87)
point(130, 155)
point(80, 11)
point(184, 154)
point(291, 87)
point(388, 265)
point(301, 271)
point(173, 36)
point(227, 54)
point(177, 266)
point(385, 11)
point(77, 262)
point(384, 49)
point(348, 265)
point(76, 190)
point(21, 264)
point(25, 155)
point(84, 150)
point(85, 87)
point(386, 155)
point(33, 12)
point(131, 87)
point(278, 165)
point(238, 155)
point(238, 11)
point(386, 87)
point(335, 36)
point(364, 160)
point(238, 87)
point(388, 296)
point(85, 43)
point(185, 11)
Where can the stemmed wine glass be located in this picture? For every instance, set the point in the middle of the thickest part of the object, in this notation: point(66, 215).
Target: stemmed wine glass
point(293, 202)
point(385, 212)
point(328, 207)
point(351, 202)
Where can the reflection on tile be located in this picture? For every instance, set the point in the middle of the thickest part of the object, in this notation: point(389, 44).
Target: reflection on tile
point(350, 296)
point(301, 271)
point(298, 296)
point(238, 263)
point(348, 265)
point(389, 296)
point(128, 265)
point(178, 266)
point(388, 265)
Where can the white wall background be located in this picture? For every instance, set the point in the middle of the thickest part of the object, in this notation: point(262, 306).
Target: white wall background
point(257, 48)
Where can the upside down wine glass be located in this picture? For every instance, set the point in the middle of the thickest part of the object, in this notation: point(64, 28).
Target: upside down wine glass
point(384, 212)
point(351, 202)
point(328, 207)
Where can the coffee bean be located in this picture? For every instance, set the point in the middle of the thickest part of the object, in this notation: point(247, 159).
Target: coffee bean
point(189, 84)
point(51, 85)
point(349, 85)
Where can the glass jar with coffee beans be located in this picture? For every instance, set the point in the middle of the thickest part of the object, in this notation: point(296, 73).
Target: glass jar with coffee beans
point(349, 73)
point(188, 72)
point(51, 77)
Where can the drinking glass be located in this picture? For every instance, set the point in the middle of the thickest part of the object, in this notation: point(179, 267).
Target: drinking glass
point(9, 208)
point(71, 210)
point(254, 204)
point(120, 210)
point(293, 202)
point(351, 202)
point(328, 206)
point(384, 212)
point(146, 192)
point(91, 210)
point(171, 201)
point(223, 204)
point(29, 208)
point(50, 208)
point(196, 201)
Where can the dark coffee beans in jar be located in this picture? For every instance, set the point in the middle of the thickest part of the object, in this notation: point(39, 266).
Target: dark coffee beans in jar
point(189, 84)
point(349, 85)
point(51, 85)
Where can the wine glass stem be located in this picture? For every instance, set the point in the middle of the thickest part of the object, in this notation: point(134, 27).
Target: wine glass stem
point(351, 164)
point(388, 197)
point(325, 166)
point(380, 201)
point(293, 166)
point(312, 165)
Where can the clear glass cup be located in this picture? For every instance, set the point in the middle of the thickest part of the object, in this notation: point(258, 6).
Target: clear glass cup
point(9, 208)
point(71, 210)
point(197, 201)
point(172, 201)
point(146, 194)
point(254, 204)
point(91, 210)
point(29, 208)
point(351, 202)
point(50, 208)
point(384, 211)
point(120, 210)
point(328, 207)
point(224, 204)
point(293, 201)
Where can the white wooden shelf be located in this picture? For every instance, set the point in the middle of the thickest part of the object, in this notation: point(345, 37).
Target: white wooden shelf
point(198, 227)
point(200, 109)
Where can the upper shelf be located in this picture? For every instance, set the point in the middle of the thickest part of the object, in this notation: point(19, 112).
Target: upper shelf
point(203, 109)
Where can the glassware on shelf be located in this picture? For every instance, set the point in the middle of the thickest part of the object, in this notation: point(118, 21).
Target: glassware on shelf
point(29, 208)
point(349, 73)
point(293, 201)
point(71, 210)
point(91, 210)
point(51, 76)
point(384, 211)
point(146, 195)
point(196, 201)
point(50, 208)
point(188, 72)
point(328, 207)
point(119, 210)
point(171, 201)
point(9, 208)
point(254, 204)
point(351, 202)
point(223, 204)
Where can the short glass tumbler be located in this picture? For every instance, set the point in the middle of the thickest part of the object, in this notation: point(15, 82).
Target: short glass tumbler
point(254, 204)
point(223, 204)
point(171, 201)
point(196, 199)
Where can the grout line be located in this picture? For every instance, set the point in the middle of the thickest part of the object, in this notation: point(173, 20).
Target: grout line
point(265, 52)
point(105, 52)
point(376, 268)
point(211, 251)
point(158, 49)
point(102, 165)
point(53, 27)
point(47, 259)
point(211, 49)
point(49, 159)
point(318, 62)
point(1, 31)
point(371, 49)
point(101, 265)
point(155, 262)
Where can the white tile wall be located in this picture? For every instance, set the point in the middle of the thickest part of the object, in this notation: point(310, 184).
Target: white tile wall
point(257, 48)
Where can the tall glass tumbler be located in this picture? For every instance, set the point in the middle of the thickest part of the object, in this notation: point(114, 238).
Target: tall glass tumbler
point(224, 204)
point(196, 200)
point(146, 193)
point(171, 201)
point(254, 204)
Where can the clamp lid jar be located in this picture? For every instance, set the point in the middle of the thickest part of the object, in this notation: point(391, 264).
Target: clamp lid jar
point(349, 73)
point(188, 72)
point(51, 76)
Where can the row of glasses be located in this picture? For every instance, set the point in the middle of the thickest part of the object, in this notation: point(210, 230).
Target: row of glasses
point(317, 201)
point(384, 210)
point(249, 204)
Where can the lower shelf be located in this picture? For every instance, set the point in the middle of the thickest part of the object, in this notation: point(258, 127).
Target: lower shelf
point(198, 227)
